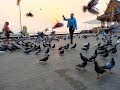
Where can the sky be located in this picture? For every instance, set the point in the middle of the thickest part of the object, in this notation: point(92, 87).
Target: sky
point(52, 10)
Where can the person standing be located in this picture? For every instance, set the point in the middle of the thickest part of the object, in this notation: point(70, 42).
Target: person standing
point(72, 25)
point(7, 32)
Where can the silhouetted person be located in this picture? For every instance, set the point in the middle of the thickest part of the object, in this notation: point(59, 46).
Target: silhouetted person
point(72, 25)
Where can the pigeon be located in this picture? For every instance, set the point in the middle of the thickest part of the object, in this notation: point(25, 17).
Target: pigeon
point(79, 37)
point(109, 65)
point(83, 57)
point(29, 14)
point(105, 55)
point(60, 48)
point(118, 41)
point(57, 25)
point(39, 47)
point(98, 69)
point(84, 36)
point(94, 56)
point(38, 51)
point(44, 45)
point(104, 51)
point(3, 48)
point(12, 47)
point(73, 47)
point(62, 52)
point(85, 48)
point(87, 45)
point(98, 44)
point(35, 47)
point(102, 47)
point(49, 45)
point(109, 44)
point(97, 38)
point(66, 47)
point(53, 46)
point(91, 7)
point(82, 65)
point(114, 51)
point(47, 51)
point(44, 59)
point(26, 45)
point(27, 48)
point(57, 39)
point(113, 48)
point(15, 46)
point(28, 51)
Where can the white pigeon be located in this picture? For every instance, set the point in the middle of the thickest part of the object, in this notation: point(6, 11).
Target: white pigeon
point(118, 41)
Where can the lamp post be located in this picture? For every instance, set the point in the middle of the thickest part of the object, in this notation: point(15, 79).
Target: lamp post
point(18, 3)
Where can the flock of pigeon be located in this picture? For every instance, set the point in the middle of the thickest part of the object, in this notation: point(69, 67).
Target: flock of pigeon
point(28, 46)
point(101, 50)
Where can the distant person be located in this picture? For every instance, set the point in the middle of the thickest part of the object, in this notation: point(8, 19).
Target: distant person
point(72, 25)
point(24, 33)
point(7, 32)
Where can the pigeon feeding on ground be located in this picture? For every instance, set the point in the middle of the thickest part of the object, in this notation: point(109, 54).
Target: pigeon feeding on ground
point(44, 59)
point(44, 45)
point(98, 69)
point(94, 56)
point(85, 48)
point(28, 51)
point(49, 45)
point(61, 51)
point(3, 48)
point(66, 47)
point(83, 57)
point(53, 46)
point(98, 44)
point(109, 65)
point(102, 47)
point(82, 65)
point(105, 55)
point(113, 50)
point(104, 51)
point(60, 48)
point(47, 51)
point(73, 47)
point(38, 51)
point(87, 45)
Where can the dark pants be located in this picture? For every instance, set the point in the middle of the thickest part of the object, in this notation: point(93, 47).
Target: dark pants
point(71, 31)
point(7, 34)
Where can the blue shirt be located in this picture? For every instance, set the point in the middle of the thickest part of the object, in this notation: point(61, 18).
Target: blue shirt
point(71, 22)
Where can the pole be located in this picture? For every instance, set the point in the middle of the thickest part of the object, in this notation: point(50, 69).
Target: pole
point(20, 17)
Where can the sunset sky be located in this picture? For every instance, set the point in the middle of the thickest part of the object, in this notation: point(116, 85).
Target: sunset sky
point(46, 18)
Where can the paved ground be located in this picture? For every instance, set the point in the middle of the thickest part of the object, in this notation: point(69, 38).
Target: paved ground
point(19, 71)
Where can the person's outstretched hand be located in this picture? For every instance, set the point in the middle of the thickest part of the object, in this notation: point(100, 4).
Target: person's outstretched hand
point(63, 16)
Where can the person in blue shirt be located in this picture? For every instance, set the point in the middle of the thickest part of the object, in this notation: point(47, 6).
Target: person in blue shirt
point(71, 24)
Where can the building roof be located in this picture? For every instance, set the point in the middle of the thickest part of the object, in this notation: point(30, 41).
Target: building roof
point(112, 8)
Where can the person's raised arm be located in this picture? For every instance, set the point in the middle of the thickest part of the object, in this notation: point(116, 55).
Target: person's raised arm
point(65, 18)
